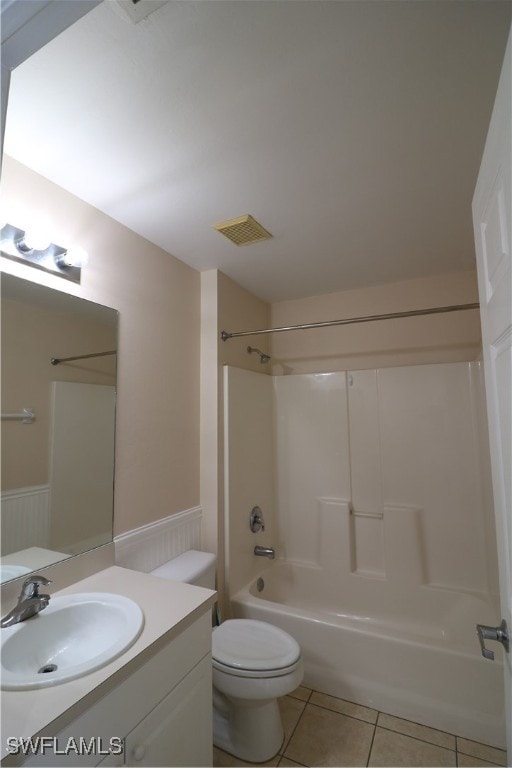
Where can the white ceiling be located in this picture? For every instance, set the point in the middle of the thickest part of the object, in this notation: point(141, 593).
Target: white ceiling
point(352, 131)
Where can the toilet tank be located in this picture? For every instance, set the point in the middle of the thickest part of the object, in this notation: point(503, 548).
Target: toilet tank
point(192, 567)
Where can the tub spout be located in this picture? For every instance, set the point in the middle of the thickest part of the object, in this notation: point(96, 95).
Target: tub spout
point(264, 551)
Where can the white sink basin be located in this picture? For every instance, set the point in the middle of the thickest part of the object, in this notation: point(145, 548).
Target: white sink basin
point(8, 572)
point(72, 637)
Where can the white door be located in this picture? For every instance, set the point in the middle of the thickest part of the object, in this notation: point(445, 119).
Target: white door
point(492, 217)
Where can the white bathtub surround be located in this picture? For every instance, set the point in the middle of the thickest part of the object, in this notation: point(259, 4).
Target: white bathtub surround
point(378, 545)
point(406, 448)
point(382, 514)
point(391, 439)
point(152, 545)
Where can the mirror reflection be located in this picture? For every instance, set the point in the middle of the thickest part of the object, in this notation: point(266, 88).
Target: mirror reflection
point(58, 423)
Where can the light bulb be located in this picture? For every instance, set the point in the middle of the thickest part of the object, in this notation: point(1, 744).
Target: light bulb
point(74, 257)
point(37, 236)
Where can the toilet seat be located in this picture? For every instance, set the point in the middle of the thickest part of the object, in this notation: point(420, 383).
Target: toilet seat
point(250, 648)
point(252, 673)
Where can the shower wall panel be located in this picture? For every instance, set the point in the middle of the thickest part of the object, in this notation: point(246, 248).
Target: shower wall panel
point(312, 456)
point(429, 450)
point(404, 446)
point(374, 474)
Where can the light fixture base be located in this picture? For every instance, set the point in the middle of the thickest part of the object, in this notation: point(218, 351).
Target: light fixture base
point(45, 260)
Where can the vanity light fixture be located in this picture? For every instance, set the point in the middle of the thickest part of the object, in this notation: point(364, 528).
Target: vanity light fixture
point(33, 246)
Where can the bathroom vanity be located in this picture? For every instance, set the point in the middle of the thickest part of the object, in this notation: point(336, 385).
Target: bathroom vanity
point(151, 706)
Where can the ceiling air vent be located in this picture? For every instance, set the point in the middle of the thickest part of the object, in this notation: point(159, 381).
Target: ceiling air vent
point(243, 230)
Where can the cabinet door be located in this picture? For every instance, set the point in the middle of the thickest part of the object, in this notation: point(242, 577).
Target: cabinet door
point(178, 731)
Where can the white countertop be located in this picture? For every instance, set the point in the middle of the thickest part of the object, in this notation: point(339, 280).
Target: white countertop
point(168, 606)
point(34, 558)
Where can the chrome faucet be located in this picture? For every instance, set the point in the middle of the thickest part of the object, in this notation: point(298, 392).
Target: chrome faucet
point(29, 602)
point(264, 551)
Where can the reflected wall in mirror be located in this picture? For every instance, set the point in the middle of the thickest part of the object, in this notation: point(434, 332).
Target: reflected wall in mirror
point(57, 467)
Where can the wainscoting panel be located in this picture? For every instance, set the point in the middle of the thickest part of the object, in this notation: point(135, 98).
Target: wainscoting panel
point(25, 518)
point(145, 548)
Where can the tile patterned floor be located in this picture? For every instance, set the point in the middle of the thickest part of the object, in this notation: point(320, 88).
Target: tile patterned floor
point(323, 731)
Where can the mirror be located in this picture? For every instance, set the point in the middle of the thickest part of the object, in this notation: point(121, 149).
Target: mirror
point(58, 423)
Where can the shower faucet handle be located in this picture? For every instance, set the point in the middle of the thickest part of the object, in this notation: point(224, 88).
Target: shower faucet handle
point(256, 521)
point(500, 634)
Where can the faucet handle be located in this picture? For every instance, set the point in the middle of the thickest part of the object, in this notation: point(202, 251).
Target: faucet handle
point(31, 586)
point(256, 521)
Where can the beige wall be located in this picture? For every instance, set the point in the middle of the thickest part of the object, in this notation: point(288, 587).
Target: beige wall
point(439, 338)
point(224, 306)
point(250, 481)
point(158, 297)
point(240, 310)
point(31, 336)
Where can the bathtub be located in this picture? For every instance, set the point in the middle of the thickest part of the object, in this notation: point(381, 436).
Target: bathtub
point(409, 651)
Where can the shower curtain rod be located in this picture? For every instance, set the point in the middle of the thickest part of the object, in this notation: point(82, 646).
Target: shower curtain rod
point(225, 335)
point(57, 360)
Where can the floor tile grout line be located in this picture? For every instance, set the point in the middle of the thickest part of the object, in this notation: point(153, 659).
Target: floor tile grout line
point(417, 738)
point(336, 712)
point(282, 757)
point(349, 701)
point(485, 760)
point(299, 698)
point(285, 745)
point(371, 745)
point(405, 720)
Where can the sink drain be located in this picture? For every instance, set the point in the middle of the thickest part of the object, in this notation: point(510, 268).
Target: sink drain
point(47, 668)
point(260, 585)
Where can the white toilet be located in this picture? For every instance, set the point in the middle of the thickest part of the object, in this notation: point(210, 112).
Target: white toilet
point(253, 664)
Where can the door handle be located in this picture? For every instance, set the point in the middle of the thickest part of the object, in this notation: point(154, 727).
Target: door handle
point(499, 634)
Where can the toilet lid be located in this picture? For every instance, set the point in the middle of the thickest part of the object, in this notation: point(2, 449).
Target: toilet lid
point(253, 645)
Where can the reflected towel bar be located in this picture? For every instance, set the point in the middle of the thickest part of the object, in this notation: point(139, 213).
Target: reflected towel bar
point(27, 416)
point(57, 360)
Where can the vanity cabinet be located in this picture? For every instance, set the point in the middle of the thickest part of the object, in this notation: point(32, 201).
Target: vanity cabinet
point(176, 726)
point(162, 711)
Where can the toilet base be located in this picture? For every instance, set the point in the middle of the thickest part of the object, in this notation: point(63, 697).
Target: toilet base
point(251, 730)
